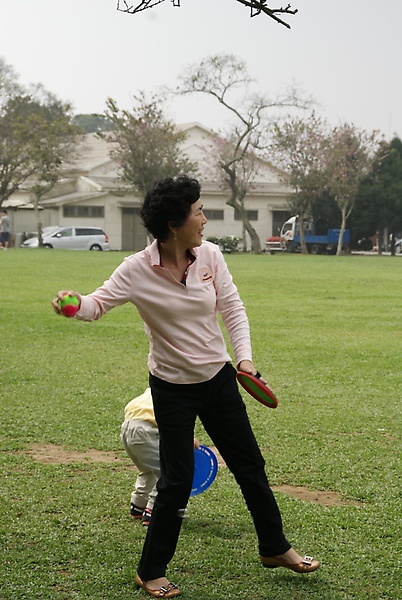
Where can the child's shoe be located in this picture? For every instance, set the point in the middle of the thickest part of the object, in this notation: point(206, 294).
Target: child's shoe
point(146, 517)
point(136, 511)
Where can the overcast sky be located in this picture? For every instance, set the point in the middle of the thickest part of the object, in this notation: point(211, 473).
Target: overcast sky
point(345, 53)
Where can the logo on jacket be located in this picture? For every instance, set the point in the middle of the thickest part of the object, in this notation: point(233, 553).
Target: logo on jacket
point(205, 275)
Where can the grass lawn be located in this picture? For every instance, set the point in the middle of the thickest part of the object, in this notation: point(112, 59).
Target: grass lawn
point(327, 334)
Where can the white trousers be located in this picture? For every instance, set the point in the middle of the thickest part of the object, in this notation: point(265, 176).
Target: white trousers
point(141, 442)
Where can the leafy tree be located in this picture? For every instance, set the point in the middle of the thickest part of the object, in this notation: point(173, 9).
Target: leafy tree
point(54, 147)
point(379, 200)
point(146, 143)
point(299, 147)
point(349, 159)
point(236, 154)
point(325, 212)
point(36, 136)
point(9, 86)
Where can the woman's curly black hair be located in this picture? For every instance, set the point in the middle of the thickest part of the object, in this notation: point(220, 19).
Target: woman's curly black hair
point(168, 204)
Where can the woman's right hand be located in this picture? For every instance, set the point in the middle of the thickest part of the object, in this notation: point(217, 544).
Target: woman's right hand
point(60, 296)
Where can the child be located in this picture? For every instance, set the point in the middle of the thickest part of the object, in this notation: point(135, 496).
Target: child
point(140, 438)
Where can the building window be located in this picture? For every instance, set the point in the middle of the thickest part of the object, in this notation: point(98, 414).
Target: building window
point(252, 215)
point(130, 210)
point(213, 215)
point(79, 211)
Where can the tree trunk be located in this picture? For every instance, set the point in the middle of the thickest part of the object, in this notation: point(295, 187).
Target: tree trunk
point(343, 227)
point(302, 236)
point(393, 239)
point(380, 237)
point(244, 239)
point(38, 219)
point(254, 238)
point(255, 241)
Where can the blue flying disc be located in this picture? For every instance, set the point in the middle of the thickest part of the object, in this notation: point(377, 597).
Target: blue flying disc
point(205, 469)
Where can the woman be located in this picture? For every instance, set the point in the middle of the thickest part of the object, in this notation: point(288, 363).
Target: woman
point(179, 284)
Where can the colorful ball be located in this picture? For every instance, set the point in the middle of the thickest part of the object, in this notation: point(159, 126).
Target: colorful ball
point(69, 305)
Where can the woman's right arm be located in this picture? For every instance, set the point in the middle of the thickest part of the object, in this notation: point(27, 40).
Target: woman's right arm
point(114, 292)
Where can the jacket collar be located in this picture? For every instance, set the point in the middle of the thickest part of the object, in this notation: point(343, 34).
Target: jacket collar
point(155, 256)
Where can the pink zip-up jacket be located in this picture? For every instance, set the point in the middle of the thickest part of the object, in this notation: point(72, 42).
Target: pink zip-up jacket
point(186, 342)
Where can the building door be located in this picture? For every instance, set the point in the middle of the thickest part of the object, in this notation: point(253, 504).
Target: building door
point(133, 234)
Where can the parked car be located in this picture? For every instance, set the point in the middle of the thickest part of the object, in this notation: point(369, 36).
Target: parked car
point(71, 238)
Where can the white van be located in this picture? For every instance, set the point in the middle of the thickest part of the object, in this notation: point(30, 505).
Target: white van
point(72, 238)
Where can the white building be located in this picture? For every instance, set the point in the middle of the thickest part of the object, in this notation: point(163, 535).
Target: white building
point(91, 194)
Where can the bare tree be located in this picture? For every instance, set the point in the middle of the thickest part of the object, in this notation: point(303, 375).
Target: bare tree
point(236, 171)
point(221, 76)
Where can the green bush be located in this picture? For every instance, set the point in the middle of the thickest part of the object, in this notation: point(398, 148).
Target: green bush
point(227, 244)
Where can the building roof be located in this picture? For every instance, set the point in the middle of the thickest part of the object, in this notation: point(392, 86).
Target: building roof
point(93, 172)
point(72, 198)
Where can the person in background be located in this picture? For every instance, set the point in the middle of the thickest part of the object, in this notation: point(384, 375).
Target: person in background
point(180, 284)
point(4, 230)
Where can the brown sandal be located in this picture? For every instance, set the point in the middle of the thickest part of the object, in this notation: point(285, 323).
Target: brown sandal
point(169, 591)
point(307, 565)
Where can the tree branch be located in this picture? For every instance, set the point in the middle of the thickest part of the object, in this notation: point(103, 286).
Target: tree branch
point(256, 7)
point(259, 6)
point(144, 4)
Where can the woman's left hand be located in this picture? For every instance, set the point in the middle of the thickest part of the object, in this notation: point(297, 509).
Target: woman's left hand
point(247, 367)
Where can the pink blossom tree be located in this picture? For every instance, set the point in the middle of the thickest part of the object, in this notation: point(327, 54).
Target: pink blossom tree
point(299, 147)
point(350, 156)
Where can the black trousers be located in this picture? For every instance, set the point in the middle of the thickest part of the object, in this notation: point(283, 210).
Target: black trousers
point(221, 410)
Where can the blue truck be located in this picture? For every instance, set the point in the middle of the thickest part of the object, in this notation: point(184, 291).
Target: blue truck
point(316, 244)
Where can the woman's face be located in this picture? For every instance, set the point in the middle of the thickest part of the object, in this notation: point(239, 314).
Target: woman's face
point(190, 233)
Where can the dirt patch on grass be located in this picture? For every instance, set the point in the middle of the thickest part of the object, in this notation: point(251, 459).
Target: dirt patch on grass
point(56, 455)
point(319, 496)
point(324, 498)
